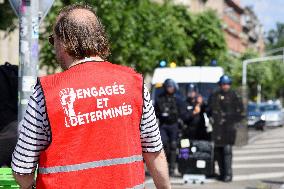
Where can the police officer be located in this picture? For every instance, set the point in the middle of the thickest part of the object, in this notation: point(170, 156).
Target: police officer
point(225, 109)
point(168, 110)
point(194, 117)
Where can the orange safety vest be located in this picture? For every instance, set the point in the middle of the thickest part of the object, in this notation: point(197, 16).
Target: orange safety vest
point(94, 110)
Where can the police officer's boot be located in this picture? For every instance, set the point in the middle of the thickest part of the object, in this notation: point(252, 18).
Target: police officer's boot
point(172, 158)
point(219, 157)
point(228, 172)
point(221, 170)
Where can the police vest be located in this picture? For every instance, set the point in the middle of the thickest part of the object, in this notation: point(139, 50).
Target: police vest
point(94, 110)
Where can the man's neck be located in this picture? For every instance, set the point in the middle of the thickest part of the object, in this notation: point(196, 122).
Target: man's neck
point(87, 59)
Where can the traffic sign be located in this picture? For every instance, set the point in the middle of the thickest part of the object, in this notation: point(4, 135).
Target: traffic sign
point(30, 13)
point(43, 9)
point(16, 4)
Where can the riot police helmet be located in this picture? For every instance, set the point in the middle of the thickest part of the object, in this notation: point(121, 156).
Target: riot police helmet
point(170, 83)
point(191, 92)
point(225, 80)
point(191, 88)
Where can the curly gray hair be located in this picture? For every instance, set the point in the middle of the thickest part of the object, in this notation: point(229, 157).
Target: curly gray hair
point(81, 32)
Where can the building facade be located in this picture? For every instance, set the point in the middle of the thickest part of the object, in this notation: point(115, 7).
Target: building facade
point(9, 47)
point(252, 30)
point(232, 25)
point(241, 26)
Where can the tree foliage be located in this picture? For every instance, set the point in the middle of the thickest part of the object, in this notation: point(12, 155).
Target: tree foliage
point(142, 33)
point(47, 55)
point(271, 74)
point(275, 37)
point(268, 74)
point(209, 41)
point(7, 17)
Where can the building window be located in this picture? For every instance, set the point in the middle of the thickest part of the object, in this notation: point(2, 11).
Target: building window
point(229, 11)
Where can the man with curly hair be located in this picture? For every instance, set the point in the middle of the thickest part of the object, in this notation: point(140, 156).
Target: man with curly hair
point(92, 125)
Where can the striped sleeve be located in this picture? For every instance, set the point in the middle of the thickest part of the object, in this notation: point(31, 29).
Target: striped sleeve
point(34, 134)
point(150, 133)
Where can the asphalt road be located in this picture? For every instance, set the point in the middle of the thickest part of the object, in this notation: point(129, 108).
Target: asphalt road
point(258, 165)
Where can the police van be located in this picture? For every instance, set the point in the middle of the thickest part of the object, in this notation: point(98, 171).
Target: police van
point(205, 78)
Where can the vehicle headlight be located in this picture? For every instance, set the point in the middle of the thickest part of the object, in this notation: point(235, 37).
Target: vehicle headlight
point(262, 117)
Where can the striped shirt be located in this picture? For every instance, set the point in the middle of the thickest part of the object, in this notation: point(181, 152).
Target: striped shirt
point(35, 132)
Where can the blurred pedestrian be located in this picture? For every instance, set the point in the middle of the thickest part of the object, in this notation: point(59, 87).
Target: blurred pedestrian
point(8, 112)
point(87, 127)
point(168, 110)
point(195, 118)
point(225, 109)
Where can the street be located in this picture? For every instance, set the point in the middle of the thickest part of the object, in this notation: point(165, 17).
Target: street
point(258, 165)
point(98, 94)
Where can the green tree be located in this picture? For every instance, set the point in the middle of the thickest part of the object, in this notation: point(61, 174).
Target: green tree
point(268, 74)
point(233, 67)
point(47, 55)
point(275, 37)
point(277, 81)
point(141, 33)
point(209, 41)
point(7, 17)
point(257, 74)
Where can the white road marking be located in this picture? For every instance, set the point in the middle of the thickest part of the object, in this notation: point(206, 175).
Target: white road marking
point(257, 151)
point(259, 157)
point(268, 146)
point(258, 176)
point(269, 141)
point(257, 165)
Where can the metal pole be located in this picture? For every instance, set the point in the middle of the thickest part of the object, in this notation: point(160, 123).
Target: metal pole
point(258, 93)
point(263, 59)
point(244, 85)
point(283, 55)
point(29, 26)
point(244, 76)
point(243, 135)
point(242, 131)
point(273, 51)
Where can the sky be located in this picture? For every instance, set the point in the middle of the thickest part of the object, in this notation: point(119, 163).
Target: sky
point(269, 12)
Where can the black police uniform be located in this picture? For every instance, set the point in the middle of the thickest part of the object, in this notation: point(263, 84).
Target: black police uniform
point(168, 110)
point(226, 109)
point(195, 124)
